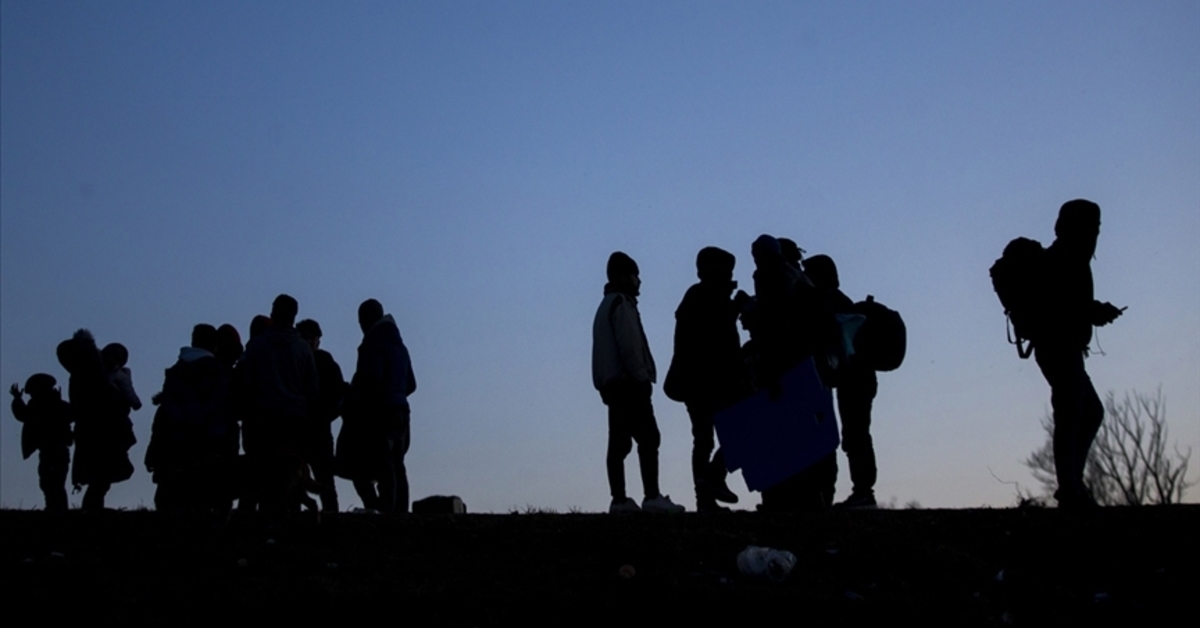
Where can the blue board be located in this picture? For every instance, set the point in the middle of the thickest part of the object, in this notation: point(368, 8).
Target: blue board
point(771, 440)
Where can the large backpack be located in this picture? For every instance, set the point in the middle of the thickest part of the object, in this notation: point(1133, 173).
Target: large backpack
point(882, 340)
point(1018, 278)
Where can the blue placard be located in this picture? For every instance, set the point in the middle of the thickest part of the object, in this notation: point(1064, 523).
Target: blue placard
point(771, 440)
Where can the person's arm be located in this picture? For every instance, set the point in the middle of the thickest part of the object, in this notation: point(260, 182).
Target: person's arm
point(1104, 313)
point(19, 409)
point(627, 332)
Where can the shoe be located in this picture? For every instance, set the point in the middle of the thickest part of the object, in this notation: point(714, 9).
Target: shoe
point(661, 503)
point(1081, 500)
point(708, 506)
point(722, 493)
point(858, 501)
point(619, 506)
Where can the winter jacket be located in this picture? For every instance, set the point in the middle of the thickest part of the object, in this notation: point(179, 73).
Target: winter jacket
point(279, 375)
point(707, 367)
point(192, 422)
point(383, 378)
point(1070, 302)
point(47, 425)
point(619, 347)
point(103, 432)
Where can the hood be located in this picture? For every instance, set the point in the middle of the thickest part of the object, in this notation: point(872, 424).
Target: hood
point(191, 354)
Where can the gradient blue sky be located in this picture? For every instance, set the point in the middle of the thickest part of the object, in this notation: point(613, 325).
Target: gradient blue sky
point(472, 165)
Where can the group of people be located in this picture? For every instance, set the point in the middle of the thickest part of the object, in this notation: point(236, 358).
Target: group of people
point(232, 422)
point(792, 316)
point(238, 422)
point(799, 312)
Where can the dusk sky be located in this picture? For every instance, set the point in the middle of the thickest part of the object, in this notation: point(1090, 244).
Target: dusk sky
point(472, 165)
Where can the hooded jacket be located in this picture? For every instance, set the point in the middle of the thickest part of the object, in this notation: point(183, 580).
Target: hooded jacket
point(619, 347)
point(383, 377)
point(280, 374)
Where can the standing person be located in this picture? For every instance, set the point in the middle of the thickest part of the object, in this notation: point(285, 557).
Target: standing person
point(318, 448)
point(103, 431)
point(47, 430)
point(376, 425)
point(190, 428)
point(1070, 312)
point(278, 386)
point(707, 370)
point(856, 387)
point(623, 372)
point(279, 378)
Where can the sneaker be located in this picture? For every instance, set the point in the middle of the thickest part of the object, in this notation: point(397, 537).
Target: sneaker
point(858, 501)
point(661, 503)
point(722, 493)
point(619, 506)
point(708, 506)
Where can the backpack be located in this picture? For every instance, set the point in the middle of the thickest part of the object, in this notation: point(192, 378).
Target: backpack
point(882, 340)
point(1018, 279)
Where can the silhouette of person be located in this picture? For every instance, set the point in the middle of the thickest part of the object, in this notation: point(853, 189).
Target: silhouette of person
point(1070, 312)
point(376, 424)
point(190, 427)
point(279, 380)
point(103, 431)
point(46, 430)
point(789, 325)
point(623, 372)
point(856, 387)
point(319, 439)
point(707, 370)
point(116, 356)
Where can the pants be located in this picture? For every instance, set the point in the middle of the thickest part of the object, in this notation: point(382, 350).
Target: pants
point(631, 418)
point(706, 472)
point(1077, 411)
point(52, 478)
point(855, 394)
point(387, 490)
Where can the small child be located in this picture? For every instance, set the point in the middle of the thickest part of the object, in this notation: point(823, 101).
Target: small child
point(47, 430)
point(115, 357)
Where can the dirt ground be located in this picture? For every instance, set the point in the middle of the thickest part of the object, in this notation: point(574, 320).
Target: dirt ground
point(999, 567)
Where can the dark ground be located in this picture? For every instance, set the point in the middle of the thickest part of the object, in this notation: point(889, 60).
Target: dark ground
point(947, 567)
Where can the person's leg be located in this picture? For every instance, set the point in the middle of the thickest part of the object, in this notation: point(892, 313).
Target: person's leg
point(702, 448)
point(1063, 370)
point(400, 449)
point(855, 397)
point(93, 497)
point(644, 430)
point(52, 478)
point(366, 493)
point(620, 443)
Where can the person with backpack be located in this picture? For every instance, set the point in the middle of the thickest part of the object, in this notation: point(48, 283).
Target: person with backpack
point(1070, 311)
point(856, 386)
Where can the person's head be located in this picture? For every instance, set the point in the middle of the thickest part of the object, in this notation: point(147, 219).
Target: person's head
point(229, 344)
point(284, 310)
point(792, 253)
point(623, 273)
point(369, 313)
point(115, 355)
point(310, 331)
point(822, 271)
point(715, 265)
point(40, 385)
point(204, 336)
point(766, 250)
point(259, 324)
point(1078, 226)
